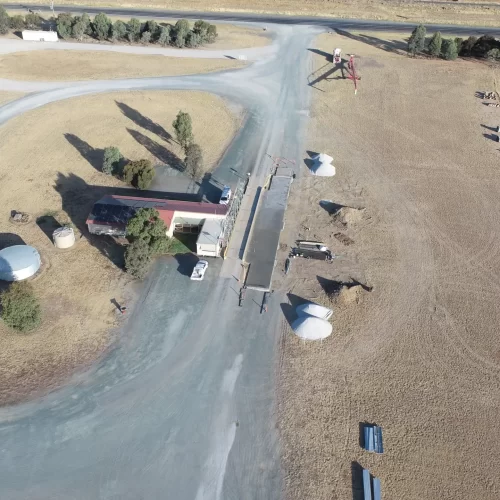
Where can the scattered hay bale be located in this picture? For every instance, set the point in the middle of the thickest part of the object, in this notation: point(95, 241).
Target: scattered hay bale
point(350, 295)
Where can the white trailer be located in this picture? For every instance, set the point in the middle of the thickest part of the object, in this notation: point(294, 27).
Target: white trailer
point(40, 36)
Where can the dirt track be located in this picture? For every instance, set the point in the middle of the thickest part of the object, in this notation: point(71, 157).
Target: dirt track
point(420, 354)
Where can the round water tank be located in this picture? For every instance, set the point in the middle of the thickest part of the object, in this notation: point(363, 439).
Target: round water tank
point(64, 237)
point(18, 262)
point(312, 309)
point(311, 328)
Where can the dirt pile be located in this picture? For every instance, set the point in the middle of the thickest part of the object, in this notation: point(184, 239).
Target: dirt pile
point(350, 295)
point(348, 215)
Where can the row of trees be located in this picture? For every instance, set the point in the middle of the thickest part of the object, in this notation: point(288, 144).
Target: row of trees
point(30, 21)
point(483, 47)
point(180, 35)
point(101, 27)
point(141, 173)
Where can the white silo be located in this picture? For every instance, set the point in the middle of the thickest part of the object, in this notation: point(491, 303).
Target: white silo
point(18, 262)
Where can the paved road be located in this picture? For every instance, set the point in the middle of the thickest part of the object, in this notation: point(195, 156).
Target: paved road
point(321, 22)
point(184, 407)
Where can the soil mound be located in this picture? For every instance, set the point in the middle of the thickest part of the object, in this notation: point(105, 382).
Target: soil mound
point(350, 295)
point(349, 215)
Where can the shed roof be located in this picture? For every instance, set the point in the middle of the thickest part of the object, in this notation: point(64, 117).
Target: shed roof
point(117, 210)
point(210, 232)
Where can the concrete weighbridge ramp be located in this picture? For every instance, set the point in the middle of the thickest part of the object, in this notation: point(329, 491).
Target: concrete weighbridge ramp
point(260, 254)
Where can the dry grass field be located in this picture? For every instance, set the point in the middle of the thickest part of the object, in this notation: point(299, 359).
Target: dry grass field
point(420, 353)
point(49, 169)
point(407, 11)
point(66, 65)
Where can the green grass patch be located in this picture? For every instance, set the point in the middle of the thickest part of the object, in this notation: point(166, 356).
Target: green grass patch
point(182, 243)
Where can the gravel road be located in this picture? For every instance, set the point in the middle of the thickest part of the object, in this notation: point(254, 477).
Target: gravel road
point(184, 405)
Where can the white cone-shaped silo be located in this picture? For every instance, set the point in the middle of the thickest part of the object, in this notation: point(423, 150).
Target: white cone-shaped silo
point(311, 328)
point(312, 309)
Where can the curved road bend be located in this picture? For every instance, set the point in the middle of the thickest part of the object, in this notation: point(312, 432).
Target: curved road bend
point(321, 22)
point(183, 407)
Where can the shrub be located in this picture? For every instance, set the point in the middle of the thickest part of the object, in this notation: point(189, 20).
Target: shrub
point(101, 26)
point(193, 39)
point(449, 49)
point(32, 21)
point(119, 30)
point(146, 225)
point(201, 28)
point(183, 128)
point(483, 45)
point(466, 49)
point(64, 23)
point(416, 42)
point(111, 160)
point(458, 42)
point(78, 30)
point(493, 55)
point(164, 37)
point(20, 307)
point(212, 33)
point(435, 44)
point(152, 27)
point(146, 37)
point(85, 19)
point(4, 21)
point(134, 29)
point(194, 161)
point(139, 173)
point(17, 22)
point(137, 259)
point(181, 30)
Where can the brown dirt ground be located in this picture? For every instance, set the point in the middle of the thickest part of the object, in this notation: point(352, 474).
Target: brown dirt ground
point(404, 11)
point(5, 96)
point(52, 174)
point(419, 354)
point(65, 65)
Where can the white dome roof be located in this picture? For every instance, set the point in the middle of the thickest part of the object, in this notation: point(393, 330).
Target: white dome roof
point(311, 328)
point(312, 309)
point(18, 262)
point(323, 169)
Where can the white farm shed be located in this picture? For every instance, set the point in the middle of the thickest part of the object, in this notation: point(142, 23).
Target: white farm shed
point(40, 36)
point(210, 238)
point(18, 262)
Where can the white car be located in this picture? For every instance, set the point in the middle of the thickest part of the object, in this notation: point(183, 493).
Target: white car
point(225, 196)
point(199, 270)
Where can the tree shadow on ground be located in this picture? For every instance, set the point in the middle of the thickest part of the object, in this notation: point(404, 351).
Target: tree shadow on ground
point(492, 137)
point(78, 198)
point(143, 121)
point(93, 155)
point(48, 224)
point(328, 57)
point(357, 481)
point(157, 150)
point(332, 287)
point(9, 240)
point(395, 46)
point(186, 263)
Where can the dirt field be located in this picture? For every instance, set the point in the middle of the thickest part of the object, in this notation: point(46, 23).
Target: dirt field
point(54, 176)
point(407, 11)
point(65, 65)
point(419, 354)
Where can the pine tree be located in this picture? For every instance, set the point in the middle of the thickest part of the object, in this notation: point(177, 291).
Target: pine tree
point(416, 42)
point(435, 44)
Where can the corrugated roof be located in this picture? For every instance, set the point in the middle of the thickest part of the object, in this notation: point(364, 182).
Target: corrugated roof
point(117, 210)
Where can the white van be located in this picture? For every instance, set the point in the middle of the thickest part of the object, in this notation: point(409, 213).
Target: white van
point(225, 196)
